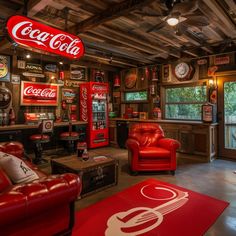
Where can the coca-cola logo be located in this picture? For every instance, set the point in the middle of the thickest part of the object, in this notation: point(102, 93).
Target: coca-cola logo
point(39, 92)
point(27, 32)
point(34, 94)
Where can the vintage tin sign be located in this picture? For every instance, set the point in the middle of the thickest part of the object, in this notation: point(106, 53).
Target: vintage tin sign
point(30, 33)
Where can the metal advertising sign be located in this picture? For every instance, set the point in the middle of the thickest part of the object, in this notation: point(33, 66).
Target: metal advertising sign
point(30, 33)
point(39, 94)
point(4, 68)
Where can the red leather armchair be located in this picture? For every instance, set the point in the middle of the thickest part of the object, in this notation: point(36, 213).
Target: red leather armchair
point(42, 207)
point(148, 150)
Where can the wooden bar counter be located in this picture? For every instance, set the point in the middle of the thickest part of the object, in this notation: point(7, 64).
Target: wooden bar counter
point(22, 132)
point(25, 126)
point(198, 139)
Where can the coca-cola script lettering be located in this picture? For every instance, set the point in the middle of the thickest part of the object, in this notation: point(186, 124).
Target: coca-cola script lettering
point(39, 94)
point(46, 93)
point(27, 32)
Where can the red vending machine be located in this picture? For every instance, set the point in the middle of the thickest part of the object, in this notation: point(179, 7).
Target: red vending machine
point(94, 110)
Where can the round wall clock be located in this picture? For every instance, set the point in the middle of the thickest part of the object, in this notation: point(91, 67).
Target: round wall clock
point(183, 71)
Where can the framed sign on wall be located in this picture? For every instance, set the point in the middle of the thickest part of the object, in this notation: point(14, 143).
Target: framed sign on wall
point(4, 68)
point(39, 94)
point(78, 72)
point(129, 78)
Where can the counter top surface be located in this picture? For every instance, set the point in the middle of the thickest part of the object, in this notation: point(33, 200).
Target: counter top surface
point(25, 126)
point(163, 121)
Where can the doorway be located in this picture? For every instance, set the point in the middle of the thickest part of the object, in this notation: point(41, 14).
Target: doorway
point(227, 116)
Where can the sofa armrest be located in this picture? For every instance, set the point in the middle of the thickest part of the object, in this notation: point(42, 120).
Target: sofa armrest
point(132, 144)
point(25, 200)
point(168, 143)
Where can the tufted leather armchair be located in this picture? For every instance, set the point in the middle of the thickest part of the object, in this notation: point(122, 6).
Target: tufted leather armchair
point(42, 207)
point(148, 150)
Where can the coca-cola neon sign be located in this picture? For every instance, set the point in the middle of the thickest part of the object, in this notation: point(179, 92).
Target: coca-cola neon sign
point(39, 94)
point(30, 33)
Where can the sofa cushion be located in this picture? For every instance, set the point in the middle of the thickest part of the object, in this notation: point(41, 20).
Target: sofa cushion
point(154, 152)
point(14, 148)
point(4, 180)
point(16, 169)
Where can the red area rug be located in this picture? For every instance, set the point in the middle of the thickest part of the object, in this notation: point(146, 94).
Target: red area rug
point(150, 208)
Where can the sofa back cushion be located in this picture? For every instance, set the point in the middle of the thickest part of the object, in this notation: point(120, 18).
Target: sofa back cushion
point(147, 134)
point(16, 169)
point(14, 148)
point(4, 180)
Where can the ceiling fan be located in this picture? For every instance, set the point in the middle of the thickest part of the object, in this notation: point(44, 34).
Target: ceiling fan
point(178, 13)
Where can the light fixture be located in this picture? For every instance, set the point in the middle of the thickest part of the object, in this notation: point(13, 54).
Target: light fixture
point(173, 19)
point(211, 82)
point(61, 62)
point(28, 56)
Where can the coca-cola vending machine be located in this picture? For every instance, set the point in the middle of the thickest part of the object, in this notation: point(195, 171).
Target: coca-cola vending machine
point(94, 110)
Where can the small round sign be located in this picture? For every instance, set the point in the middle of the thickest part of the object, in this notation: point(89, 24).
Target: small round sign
point(5, 97)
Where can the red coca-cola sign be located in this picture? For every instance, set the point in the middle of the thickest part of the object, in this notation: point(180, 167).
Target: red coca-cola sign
point(30, 33)
point(39, 94)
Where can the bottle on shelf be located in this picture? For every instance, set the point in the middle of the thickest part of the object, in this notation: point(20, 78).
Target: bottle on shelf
point(12, 117)
point(85, 155)
point(4, 118)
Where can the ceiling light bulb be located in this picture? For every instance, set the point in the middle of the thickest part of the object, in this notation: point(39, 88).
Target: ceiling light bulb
point(172, 21)
point(60, 62)
point(27, 55)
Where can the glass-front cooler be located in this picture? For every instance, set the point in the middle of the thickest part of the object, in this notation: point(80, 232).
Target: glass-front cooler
point(94, 110)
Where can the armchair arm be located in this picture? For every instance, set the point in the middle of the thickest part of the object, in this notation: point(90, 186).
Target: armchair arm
point(25, 200)
point(168, 143)
point(133, 152)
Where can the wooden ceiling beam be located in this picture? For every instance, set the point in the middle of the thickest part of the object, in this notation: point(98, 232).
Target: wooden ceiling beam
point(134, 38)
point(114, 62)
point(37, 5)
point(123, 41)
point(114, 50)
point(213, 11)
point(113, 12)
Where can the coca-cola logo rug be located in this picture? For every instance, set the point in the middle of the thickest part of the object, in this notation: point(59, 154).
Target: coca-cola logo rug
point(150, 208)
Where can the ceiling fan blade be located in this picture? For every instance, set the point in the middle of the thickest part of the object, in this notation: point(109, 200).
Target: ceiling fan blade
point(148, 14)
point(185, 8)
point(198, 21)
point(157, 27)
point(180, 29)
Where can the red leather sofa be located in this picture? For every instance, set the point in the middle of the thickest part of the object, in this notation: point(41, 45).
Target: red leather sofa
point(148, 150)
point(42, 207)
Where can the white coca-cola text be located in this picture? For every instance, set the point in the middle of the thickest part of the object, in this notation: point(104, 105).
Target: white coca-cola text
point(40, 93)
point(25, 31)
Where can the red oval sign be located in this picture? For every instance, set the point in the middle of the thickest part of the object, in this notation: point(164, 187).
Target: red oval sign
point(30, 33)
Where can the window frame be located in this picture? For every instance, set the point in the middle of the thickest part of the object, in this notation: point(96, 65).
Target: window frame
point(164, 103)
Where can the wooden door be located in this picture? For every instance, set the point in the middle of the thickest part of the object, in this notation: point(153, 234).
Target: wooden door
point(227, 116)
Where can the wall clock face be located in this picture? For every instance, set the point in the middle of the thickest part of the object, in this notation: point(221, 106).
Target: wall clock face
point(182, 70)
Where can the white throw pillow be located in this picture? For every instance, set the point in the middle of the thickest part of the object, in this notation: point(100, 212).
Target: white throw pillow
point(16, 169)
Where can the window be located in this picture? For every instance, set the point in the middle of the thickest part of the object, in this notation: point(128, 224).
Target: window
point(185, 103)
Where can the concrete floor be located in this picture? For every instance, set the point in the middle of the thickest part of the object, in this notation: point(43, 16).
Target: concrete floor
point(216, 179)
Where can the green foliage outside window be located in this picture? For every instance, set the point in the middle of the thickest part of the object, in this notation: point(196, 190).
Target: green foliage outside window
point(230, 99)
point(185, 103)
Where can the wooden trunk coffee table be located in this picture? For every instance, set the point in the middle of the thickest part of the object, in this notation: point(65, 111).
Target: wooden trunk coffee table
point(96, 174)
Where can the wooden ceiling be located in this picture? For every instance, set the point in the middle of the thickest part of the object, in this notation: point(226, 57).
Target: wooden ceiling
point(130, 33)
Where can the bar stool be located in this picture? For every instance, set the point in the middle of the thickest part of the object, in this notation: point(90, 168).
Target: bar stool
point(70, 137)
point(46, 126)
